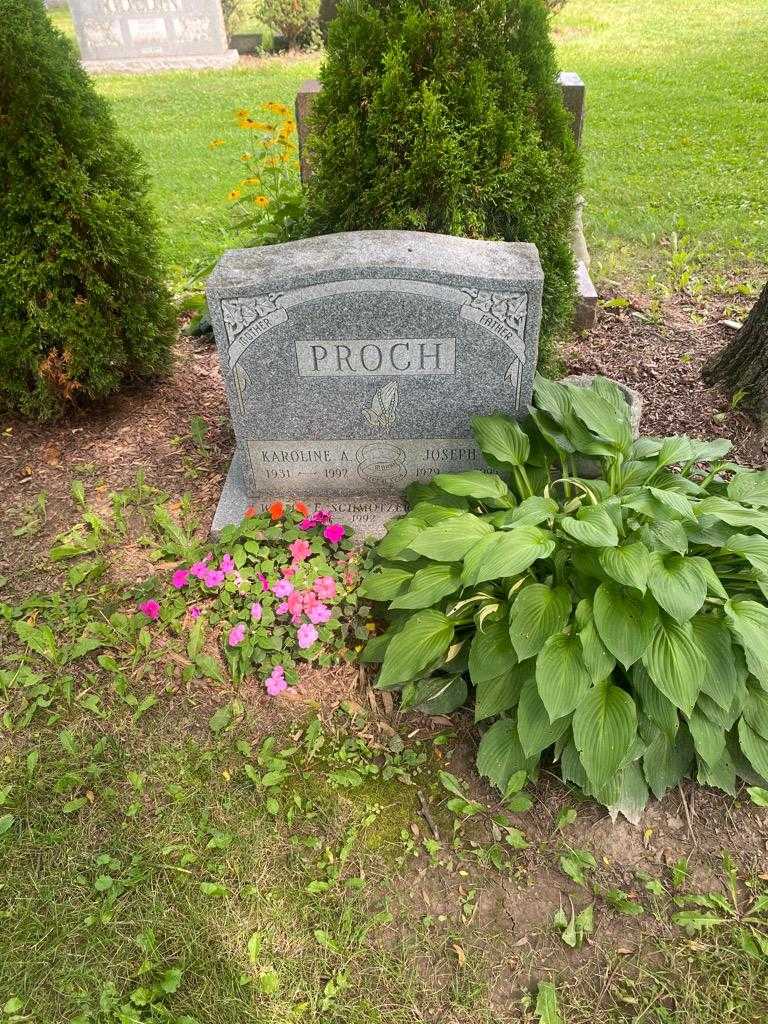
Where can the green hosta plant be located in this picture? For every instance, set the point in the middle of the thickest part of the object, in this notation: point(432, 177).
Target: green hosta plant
point(593, 595)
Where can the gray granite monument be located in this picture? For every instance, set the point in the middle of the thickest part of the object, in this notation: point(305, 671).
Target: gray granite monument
point(151, 35)
point(353, 363)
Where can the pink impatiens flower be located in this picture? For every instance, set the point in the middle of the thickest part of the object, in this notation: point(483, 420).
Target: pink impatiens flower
point(282, 608)
point(180, 578)
point(236, 635)
point(213, 578)
point(306, 635)
point(151, 609)
point(334, 533)
point(256, 611)
point(300, 549)
point(195, 612)
point(227, 563)
point(319, 613)
point(325, 587)
point(275, 682)
point(288, 571)
point(263, 580)
point(198, 570)
point(283, 588)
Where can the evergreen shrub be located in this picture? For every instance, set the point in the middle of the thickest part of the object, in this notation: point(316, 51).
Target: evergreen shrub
point(446, 116)
point(83, 304)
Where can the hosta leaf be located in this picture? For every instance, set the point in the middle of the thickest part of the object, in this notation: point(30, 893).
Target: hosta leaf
point(537, 613)
point(400, 534)
point(472, 484)
point(502, 438)
point(625, 621)
point(658, 708)
point(506, 554)
point(633, 796)
point(674, 449)
point(592, 526)
point(491, 651)
point(451, 539)
point(424, 639)
point(502, 692)
point(599, 661)
point(731, 513)
point(500, 754)
point(750, 486)
point(385, 583)
point(604, 726)
point(627, 564)
point(531, 512)
point(721, 775)
point(754, 747)
point(708, 738)
point(666, 762)
point(710, 577)
point(673, 500)
point(674, 663)
point(552, 397)
point(601, 417)
point(665, 535)
point(534, 727)
point(756, 711)
point(677, 585)
point(429, 585)
point(748, 621)
point(562, 677)
point(710, 451)
point(754, 549)
point(438, 695)
point(722, 675)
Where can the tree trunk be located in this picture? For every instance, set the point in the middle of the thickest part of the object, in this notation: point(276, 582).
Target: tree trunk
point(743, 364)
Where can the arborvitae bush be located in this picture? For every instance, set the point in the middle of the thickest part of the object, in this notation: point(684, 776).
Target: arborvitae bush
point(445, 115)
point(83, 305)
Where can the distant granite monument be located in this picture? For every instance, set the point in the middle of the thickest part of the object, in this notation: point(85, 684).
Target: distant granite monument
point(354, 362)
point(151, 35)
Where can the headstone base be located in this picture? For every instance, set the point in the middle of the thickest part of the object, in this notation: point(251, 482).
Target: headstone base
point(141, 65)
point(366, 515)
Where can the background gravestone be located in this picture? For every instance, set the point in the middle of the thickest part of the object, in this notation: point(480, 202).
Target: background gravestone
point(151, 35)
point(353, 363)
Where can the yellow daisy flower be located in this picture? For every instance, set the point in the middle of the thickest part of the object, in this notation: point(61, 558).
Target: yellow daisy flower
point(216, 143)
point(261, 201)
point(234, 194)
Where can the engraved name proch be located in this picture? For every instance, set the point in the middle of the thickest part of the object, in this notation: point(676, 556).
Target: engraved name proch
point(379, 357)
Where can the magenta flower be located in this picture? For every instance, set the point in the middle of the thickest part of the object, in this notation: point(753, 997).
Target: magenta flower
point(263, 580)
point(334, 532)
point(300, 550)
point(198, 570)
point(282, 608)
point(325, 587)
point(227, 564)
point(275, 683)
point(151, 609)
point(306, 635)
point(256, 611)
point(307, 524)
point(180, 578)
point(322, 515)
point(319, 613)
point(213, 578)
point(283, 588)
point(195, 612)
point(236, 635)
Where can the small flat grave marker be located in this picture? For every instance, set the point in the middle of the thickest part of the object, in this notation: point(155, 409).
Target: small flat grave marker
point(353, 363)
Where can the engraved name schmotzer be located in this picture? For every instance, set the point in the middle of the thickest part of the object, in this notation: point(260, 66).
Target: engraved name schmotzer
point(502, 314)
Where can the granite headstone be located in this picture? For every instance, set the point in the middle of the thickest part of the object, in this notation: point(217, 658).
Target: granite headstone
point(353, 363)
point(151, 35)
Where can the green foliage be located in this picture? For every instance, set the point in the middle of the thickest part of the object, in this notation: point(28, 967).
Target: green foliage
point(291, 18)
point(605, 598)
point(83, 305)
point(446, 117)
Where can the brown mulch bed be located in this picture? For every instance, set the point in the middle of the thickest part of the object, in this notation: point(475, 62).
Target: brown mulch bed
point(663, 362)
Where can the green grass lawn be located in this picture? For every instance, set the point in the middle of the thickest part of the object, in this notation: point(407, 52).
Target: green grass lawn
point(675, 140)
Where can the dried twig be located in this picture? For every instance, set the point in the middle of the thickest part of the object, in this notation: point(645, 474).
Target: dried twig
point(692, 834)
point(427, 814)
